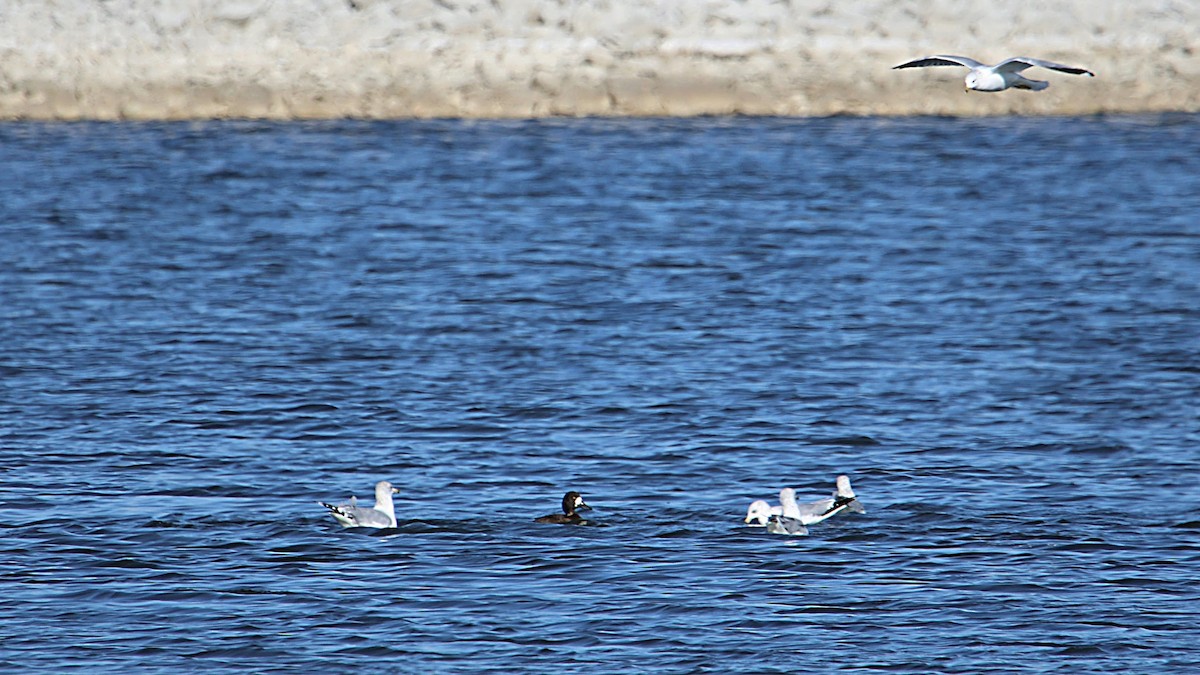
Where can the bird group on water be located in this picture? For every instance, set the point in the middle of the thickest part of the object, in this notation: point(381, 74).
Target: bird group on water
point(789, 517)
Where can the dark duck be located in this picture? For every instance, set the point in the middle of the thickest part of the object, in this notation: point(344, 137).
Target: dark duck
point(571, 502)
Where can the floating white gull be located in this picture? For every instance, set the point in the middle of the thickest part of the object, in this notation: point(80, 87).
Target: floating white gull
point(382, 515)
point(999, 77)
point(790, 517)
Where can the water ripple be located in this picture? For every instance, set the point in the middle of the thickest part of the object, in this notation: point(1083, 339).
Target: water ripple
point(207, 328)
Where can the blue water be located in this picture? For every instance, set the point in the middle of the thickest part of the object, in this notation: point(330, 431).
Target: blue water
point(992, 326)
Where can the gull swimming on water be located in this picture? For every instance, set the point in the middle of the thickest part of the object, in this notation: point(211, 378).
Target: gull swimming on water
point(382, 515)
point(790, 517)
point(999, 77)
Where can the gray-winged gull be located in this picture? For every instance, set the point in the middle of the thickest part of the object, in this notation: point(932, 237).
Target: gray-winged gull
point(791, 517)
point(999, 77)
point(382, 515)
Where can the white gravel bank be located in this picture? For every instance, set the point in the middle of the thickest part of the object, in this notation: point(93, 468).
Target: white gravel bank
point(170, 59)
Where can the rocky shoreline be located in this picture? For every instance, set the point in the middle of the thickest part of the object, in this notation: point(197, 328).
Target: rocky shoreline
point(316, 59)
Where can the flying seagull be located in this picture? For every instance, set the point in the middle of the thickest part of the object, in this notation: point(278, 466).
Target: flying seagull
point(999, 77)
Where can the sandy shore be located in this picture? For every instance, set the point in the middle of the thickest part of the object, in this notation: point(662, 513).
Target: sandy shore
point(285, 59)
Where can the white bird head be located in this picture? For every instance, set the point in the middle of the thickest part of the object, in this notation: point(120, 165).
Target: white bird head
point(758, 513)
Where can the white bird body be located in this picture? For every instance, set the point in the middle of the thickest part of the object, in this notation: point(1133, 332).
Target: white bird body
point(382, 515)
point(785, 525)
point(790, 520)
point(843, 499)
point(1003, 75)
